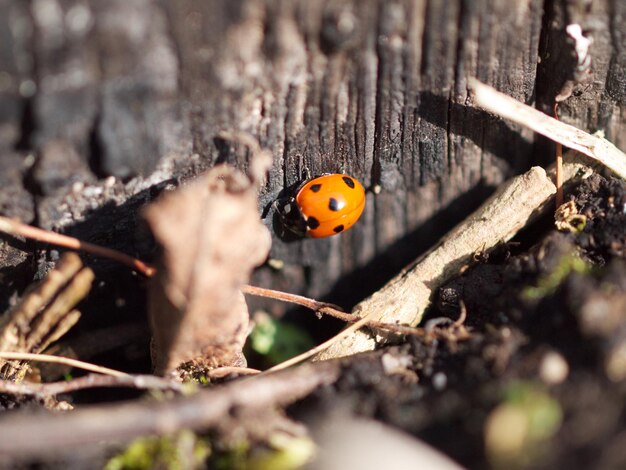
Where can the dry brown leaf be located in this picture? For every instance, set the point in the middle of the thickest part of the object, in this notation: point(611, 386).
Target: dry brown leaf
point(212, 238)
point(44, 314)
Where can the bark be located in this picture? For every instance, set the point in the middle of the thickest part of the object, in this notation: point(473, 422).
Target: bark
point(141, 90)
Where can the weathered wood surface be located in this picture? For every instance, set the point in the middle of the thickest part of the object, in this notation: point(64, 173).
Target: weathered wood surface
point(139, 91)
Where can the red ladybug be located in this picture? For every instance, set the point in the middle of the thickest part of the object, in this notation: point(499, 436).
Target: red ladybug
point(323, 206)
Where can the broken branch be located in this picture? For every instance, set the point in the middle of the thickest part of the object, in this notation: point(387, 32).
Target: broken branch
point(22, 356)
point(41, 434)
point(140, 382)
point(593, 146)
point(405, 298)
point(19, 229)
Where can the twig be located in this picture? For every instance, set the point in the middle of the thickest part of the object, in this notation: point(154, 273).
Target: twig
point(292, 298)
point(591, 145)
point(330, 309)
point(356, 323)
point(21, 356)
point(222, 372)
point(19, 229)
point(405, 298)
point(141, 382)
point(325, 345)
point(559, 164)
point(42, 434)
point(462, 317)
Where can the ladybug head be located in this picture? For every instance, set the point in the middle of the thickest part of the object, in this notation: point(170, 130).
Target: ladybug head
point(287, 215)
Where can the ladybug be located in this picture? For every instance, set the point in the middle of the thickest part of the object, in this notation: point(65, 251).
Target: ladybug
point(323, 206)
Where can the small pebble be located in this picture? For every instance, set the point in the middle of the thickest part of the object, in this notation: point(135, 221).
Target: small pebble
point(615, 363)
point(393, 364)
point(440, 380)
point(553, 369)
point(109, 182)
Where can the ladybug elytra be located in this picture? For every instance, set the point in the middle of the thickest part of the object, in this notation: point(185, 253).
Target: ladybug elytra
point(324, 206)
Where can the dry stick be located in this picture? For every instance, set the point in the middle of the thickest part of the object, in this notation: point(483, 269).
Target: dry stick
point(41, 434)
point(325, 345)
point(559, 165)
point(329, 309)
point(593, 146)
point(294, 299)
point(19, 229)
point(222, 372)
point(405, 298)
point(357, 322)
point(21, 356)
point(140, 382)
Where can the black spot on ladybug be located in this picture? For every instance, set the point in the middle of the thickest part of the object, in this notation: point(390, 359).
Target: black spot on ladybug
point(312, 223)
point(349, 182)
point(338, 229)
point(333, 204)
point(315, 187)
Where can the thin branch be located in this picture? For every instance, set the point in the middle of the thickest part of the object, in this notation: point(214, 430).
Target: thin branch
point(407, 296)
point(356, 323)
point(19, 229)
point(322, 347)
point(462, 317)
point(559, 165)
point(591, 145)
point(222, 372)
point(292, 298)
point(21, 356)
point(330, 309)
point(140, 382)
point(41, 434)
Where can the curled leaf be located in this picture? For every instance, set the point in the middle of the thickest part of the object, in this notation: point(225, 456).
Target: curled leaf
point(212, 238)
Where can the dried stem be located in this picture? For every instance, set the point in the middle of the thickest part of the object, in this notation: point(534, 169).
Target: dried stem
point(559, 165)
point(591, 145)
point(331, 310)
point(22, 356)
point(292, 298)
point(44, 313)
point(357, 322)
point(140, 382)
point(325, 345)
point(37, 435)
point(222, 372)
point(19, 229)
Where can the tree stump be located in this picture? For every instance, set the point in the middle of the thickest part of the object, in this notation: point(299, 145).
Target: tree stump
point(106, 103)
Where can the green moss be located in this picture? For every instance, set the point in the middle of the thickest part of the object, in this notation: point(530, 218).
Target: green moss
point(543, 412)
point(278, 341)
point(549, 283)
point(182, 451)
point(235, 457)
point(283, 452)
point(519, 431)
point(287, 453)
